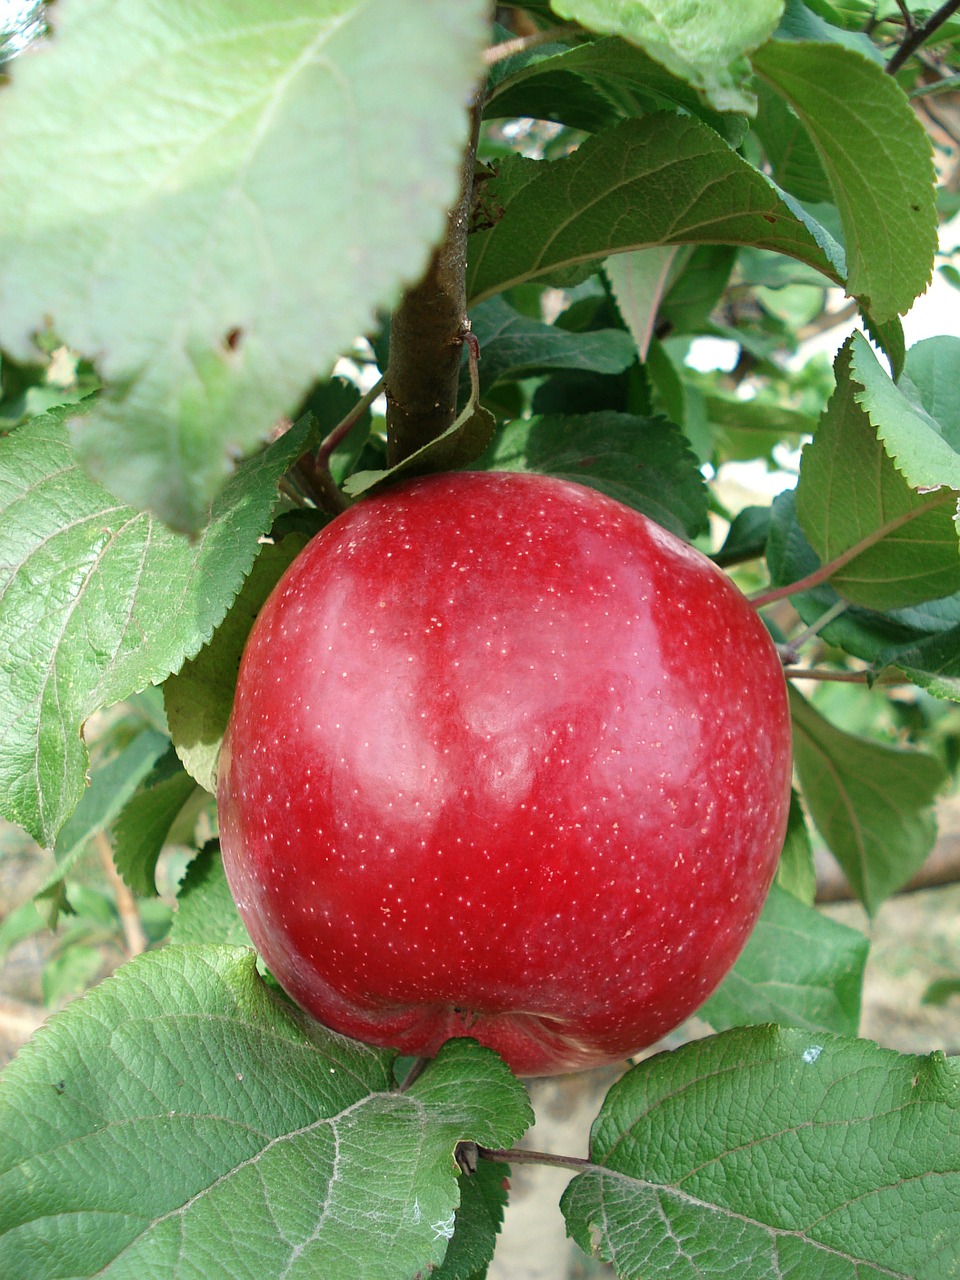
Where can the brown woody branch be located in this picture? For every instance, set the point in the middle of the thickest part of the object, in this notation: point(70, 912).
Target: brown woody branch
point(426, 332)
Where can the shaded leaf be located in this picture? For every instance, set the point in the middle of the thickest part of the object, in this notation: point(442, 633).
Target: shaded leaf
point(198, 698)
point(799, 969)
point(513, 345)
point(746, 538)
point(796, 872)
point(206, 911)
point(794, 162)
point(269, 1138)
point(205, 157)
point(98, 600)
point(768, 1152)
point(594, 85)
point(141, 829)
point(872, 803)
point(483, 1198)
point(645, 463)
point(462, 443)
point(662, 180)
point(933, 663)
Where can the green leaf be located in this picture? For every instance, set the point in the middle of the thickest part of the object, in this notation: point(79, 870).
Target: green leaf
point(794, 162)
point(98, 600)
point(933, 663)
point(111, 786)
point(767, 1152)
point(596, 84)
point(941, 991)
point(206, 911)
point(198, 698)
point(462, 443)
point(932, 374)
point(878, 158)
point(274, 1147)
point(747, 537)
point(514, 346)
point(796, 872)
point(872, 803)
point(923, 442)
point(143, 826)
point(923, 641)
point(206, 158)
point(705, 46)
point(643, 462)
point(897, 546)
point(799, 969)
point(639, 281)
point(483, 1197)
point(662, 180)
point(702, 276)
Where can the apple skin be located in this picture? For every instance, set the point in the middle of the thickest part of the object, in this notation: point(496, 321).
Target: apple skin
point(506, 760)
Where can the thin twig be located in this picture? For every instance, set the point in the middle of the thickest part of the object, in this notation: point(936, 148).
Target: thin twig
point(133, 933)
point(814, 629)
point(348, 422)
point(507, 48)
point(312, 470)
point(825, 673)
point(907, 15)
point(920, 35)
point(520, 1155)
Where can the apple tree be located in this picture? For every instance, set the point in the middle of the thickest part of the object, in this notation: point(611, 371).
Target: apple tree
point(262, 268)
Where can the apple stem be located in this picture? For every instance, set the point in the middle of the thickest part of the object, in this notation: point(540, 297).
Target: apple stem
point(520, 1155)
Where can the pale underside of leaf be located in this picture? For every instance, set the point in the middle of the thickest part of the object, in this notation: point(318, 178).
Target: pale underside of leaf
point(212, 201)
point(704, 45)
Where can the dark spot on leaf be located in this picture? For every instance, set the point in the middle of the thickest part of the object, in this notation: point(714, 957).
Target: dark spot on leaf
point(769, 217)
point(233, 339)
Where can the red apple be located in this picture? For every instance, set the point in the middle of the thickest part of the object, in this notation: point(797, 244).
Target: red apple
point(506, 760)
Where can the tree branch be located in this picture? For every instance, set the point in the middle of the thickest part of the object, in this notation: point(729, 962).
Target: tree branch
point(920, 35)
point(426, 332)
